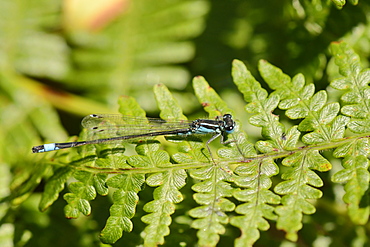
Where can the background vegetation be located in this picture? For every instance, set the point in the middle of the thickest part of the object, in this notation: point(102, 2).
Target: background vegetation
point(61, 60)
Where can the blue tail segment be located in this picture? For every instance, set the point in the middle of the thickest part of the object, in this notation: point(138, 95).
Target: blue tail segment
point(44, 148)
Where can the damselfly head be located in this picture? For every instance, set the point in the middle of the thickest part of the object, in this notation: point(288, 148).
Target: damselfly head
point(229, 123)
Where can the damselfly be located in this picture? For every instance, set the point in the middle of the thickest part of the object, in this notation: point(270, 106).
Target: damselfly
point(120, 128)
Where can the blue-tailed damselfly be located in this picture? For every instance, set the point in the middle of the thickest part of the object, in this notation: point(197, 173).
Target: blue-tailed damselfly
point(120, 128)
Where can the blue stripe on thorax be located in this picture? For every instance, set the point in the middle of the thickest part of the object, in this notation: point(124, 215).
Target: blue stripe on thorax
point(205, 129)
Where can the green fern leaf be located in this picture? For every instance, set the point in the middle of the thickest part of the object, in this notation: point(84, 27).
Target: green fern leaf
point(209, 99)
point(320, 118)
point(168, 183)
point(355, 174)
point(299, 101)
point(210, 194)
point(119, 219)
point(355, 87)
point(165, 196)
point(255, 178)
point(89, 184)
point(240, 148)
point(125, 199)
point(298, 189)
point(54, 186)
point(128, 106)
point(246, 83)
point(169, 107)
point(85, 190)
point(212, 189)
point(261, 105)
point(78, 198)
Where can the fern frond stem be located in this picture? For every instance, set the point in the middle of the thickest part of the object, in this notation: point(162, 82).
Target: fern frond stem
point(193, 165)
point(318, 147)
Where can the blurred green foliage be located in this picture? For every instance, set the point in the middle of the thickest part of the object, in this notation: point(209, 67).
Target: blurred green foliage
point(60, 60)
